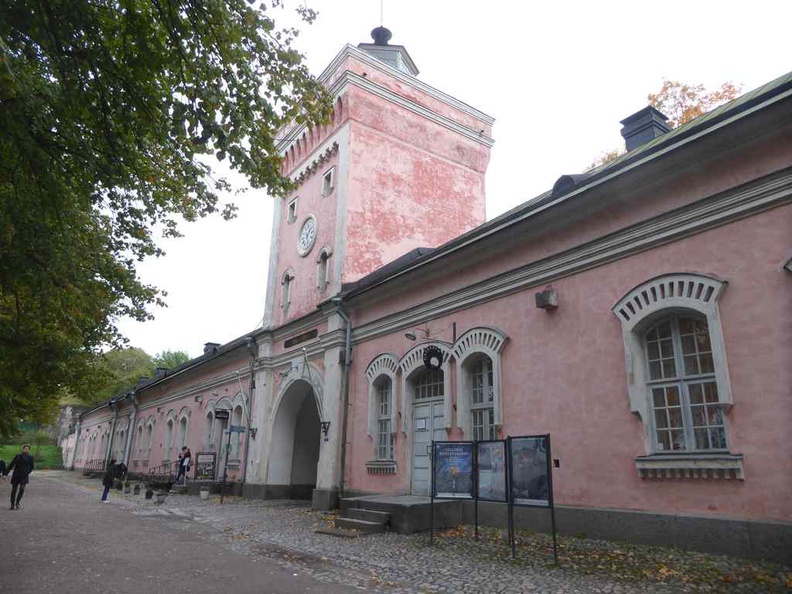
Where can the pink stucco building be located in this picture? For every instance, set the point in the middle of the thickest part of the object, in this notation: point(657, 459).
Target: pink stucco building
point(659, 361)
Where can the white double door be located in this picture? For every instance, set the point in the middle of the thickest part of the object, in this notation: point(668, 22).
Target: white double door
point(427, 425)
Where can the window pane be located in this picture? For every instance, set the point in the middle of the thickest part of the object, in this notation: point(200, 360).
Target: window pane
point(654, 370)
point(718, 438)
point(672, 393)
point(653, 351)
point(702, 440)
point(675, 417)
point(669, 369)
point(659, 397)
point(678, 440)
point(699, 416)
point(664, 329)
point(661, 420)
point(695, 393)
point(663, 441)
point(666, 349)
point(685, 325)
point(710, 392)
point(706, 364)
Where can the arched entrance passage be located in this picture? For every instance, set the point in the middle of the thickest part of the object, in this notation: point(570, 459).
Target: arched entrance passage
point(294, 453)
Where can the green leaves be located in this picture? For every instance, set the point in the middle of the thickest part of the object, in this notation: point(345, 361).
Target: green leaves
point(105, 109)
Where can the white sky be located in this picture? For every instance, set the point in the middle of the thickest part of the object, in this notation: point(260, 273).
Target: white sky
point(556, 76)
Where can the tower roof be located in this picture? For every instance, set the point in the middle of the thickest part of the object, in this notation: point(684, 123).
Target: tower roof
point(393, 55)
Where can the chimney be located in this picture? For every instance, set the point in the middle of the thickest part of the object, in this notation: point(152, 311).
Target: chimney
point(643, 126)
point(160, 372)
point(210, 347)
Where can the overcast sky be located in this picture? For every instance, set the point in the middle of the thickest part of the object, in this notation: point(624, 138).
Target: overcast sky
point(556, 76)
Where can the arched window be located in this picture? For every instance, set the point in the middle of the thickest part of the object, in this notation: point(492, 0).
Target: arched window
point(384, 390)
point(208, 424)
point(677, 376)
point(168, 439)
point(140, 442)
point(236, 440)
point(286, 285)
point(482, 398)
point(149, 439)
point(687, 415)
point(323, 269)
point(478, 355)
point(182, 432)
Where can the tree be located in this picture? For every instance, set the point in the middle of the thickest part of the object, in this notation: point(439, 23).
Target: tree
point(108, 111)
point(680, 102)
point(122, 368)
point(170, 359)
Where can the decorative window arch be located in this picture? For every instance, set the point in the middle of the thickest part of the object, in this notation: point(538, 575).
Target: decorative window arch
point(411, 363)
point(671, 324)
point(140, 448)
point(183, 420)
point(149, 439)
point(170, 428)
point(382, 410)
point(478, 353)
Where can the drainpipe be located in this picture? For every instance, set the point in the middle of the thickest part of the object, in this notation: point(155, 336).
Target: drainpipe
point(338, 301)
point(251, 347)
point(132, 396)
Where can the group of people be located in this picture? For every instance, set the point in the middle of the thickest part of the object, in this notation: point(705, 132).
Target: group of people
point(22, 466)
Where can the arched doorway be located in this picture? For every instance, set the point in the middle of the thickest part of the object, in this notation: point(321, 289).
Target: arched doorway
point(294, 455)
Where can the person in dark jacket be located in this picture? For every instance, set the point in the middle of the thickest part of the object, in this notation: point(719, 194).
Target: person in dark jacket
point(2, 469)
point(22, 465)
point(108, 479)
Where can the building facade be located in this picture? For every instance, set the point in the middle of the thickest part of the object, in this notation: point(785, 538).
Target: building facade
point(639, 313)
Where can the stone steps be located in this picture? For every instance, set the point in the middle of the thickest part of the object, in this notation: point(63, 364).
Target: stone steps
point(360, 525)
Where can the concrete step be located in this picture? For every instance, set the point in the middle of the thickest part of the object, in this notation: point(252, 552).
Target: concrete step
point(178, 490)
point(369, 515)
point(360, 525)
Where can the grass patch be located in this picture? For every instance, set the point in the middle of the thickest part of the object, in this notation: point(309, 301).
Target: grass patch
point(46, 456)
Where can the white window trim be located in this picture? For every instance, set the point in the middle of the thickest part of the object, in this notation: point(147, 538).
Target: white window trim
point(476, 341)
point(408, 365)
point(669, 295)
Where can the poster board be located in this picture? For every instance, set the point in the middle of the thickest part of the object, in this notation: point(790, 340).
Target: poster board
point(491, 470)
point(529, 470)
point(205, 464)
point(452, 470)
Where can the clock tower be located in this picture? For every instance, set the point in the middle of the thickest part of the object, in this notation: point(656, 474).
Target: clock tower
point(400, 166)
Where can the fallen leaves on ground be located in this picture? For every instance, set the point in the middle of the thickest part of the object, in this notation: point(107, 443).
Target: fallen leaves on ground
point(697, 572)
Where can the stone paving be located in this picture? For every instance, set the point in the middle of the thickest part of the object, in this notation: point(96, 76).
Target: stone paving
point(284, 531)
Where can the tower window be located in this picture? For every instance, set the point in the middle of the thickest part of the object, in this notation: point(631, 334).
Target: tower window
point(292, 216)
point(328, 182)
point(323, 269)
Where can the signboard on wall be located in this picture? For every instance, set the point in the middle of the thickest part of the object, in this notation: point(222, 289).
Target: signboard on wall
point(491, 470)
point(453, 470)
point(205, 464)
point(529, 471)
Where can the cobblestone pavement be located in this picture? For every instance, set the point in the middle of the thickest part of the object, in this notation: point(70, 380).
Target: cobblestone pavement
point(284, 531)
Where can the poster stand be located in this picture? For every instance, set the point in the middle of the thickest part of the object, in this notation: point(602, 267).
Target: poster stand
point(531, 480)
point(452, 474)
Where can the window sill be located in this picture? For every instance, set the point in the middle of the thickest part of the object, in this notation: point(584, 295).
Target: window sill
point(381, 466)
point(696, 466)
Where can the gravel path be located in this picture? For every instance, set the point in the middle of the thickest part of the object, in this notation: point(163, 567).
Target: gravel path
point(284, 531)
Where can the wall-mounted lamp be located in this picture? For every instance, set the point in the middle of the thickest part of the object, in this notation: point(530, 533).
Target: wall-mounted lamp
point(410, 336)
point(547, 299)
point(253, 431)
point(325, 428)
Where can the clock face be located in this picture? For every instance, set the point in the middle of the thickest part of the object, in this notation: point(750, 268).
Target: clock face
point(307, 236)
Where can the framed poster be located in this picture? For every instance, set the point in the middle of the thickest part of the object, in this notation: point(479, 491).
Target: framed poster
point(205, 466)
point(491, 470)
point(452, 470)
point(529, 470)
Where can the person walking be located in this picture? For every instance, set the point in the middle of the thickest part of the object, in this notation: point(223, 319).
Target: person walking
point(184, 465)
point(22, 465)
point(108, 479)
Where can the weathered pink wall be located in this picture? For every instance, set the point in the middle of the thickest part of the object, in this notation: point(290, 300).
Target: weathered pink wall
point(563, 373)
